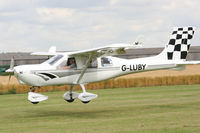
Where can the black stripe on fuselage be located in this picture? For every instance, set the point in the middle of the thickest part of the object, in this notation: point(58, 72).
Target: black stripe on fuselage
point(69, 72)
point(51, 76)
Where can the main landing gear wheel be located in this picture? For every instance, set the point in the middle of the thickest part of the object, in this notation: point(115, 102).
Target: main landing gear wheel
point(86, 97)
point(70, 96)
point(70, 100)
point(85, 102)
point(34, 102)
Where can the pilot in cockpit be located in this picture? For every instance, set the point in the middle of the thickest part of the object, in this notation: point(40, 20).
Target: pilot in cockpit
point(70, 64)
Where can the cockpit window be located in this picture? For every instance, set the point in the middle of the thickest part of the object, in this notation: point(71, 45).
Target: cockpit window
point(68, 64)
point(106, 62)
point(93, 63)
point(54, 59)
point(71, 63)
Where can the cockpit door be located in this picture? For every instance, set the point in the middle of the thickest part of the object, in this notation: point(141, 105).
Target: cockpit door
point(69, 63)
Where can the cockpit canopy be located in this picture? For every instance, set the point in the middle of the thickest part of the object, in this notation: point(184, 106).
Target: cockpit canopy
point(78, 62)
point(62, 63)
point(54, 59)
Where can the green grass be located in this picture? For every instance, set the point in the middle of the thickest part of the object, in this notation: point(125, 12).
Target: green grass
point(170, 109)
point(11, 91)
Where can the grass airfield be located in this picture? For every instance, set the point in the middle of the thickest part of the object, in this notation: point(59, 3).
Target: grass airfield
point(168, 109)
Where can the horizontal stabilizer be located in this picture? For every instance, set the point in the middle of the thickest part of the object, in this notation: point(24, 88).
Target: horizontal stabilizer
point(188, 63)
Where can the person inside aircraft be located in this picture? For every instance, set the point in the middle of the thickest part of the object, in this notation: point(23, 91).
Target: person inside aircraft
point(70, 64)
point(106, 62)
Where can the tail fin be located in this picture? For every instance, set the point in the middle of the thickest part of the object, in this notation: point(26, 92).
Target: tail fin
point(179, 44)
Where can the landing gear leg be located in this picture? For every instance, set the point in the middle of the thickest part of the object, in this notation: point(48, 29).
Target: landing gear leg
point(84, 91)
point(32, 89)
point(70, 94)
point(83, 88)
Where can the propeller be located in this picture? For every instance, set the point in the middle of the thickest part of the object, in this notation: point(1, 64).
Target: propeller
point(11, 69)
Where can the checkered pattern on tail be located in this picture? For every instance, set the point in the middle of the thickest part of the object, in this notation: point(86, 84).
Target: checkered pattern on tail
point(179, 43)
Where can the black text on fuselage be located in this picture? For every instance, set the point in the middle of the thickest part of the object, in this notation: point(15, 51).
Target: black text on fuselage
point(134, 67)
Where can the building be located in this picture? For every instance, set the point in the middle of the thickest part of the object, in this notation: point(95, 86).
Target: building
point(21, 58)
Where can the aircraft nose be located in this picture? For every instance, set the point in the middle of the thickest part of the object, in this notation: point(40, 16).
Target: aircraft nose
point(17, 71)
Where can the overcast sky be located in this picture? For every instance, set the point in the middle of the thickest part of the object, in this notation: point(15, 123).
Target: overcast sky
point(35, 25)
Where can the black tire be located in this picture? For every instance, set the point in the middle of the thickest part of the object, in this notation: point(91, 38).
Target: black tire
point(85, 102)
point(35, 102)
point(70, 101)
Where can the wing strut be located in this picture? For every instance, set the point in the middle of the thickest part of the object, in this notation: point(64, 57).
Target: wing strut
point(84, 69)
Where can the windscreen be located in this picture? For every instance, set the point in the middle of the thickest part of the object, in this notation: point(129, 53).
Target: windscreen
point(54, 59)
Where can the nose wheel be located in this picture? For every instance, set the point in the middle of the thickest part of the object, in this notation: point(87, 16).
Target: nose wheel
point(35, 98)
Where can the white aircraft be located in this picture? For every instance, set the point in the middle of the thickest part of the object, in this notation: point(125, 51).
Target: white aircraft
point(94, 65)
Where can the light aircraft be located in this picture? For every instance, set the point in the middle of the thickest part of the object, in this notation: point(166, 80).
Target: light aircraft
point(98, 64)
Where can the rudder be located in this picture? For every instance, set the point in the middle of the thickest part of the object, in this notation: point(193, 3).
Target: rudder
point(179, 44)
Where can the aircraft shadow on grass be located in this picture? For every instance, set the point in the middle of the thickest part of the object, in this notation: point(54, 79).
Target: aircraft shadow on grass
point(71, 114)
point(102, 113)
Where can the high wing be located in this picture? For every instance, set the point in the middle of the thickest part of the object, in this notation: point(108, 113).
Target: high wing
point(114, 49)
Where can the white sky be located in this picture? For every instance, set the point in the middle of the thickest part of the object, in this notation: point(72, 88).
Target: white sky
point(35, 25)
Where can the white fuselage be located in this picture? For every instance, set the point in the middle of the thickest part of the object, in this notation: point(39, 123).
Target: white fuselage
point(45, 74)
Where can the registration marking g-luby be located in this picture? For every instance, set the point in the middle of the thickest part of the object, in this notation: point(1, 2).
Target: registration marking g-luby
point(133, 67)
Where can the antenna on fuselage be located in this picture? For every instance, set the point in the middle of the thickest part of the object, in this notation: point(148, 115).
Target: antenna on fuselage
point(139, 40)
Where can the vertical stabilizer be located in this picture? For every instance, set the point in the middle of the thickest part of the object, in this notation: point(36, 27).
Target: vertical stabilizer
point(179, 44)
